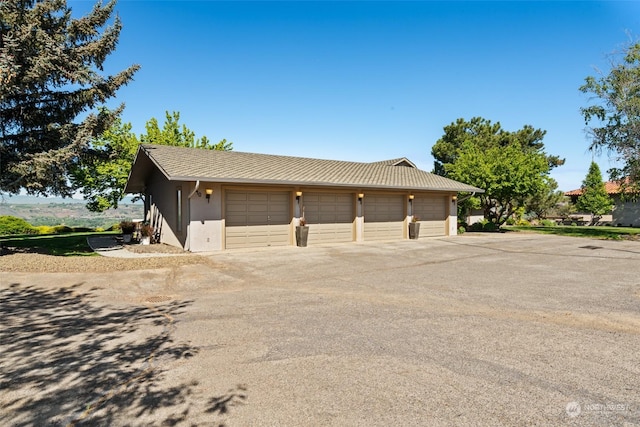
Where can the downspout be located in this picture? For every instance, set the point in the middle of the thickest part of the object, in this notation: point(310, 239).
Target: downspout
point(195, 190)
point(467, 197)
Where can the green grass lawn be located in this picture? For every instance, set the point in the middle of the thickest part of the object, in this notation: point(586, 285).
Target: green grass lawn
point(71, 244)
point(593, 232)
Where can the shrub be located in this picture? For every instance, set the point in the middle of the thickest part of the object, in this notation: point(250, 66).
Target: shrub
point(82, 229)
point(45, 229)
point(99, 230)
point(476, 226)
point(574, 224)
point(58, 229)
point(524, 223)
point(146, 230)
point(490, 226)
point(461, 230)
point(547, 223)
point(511, 221)
point(127, 227)
point(13, 225)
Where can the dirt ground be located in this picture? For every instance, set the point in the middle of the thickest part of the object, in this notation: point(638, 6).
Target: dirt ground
point(500, 329)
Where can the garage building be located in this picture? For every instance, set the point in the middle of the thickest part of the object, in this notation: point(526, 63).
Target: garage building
point(205, 200)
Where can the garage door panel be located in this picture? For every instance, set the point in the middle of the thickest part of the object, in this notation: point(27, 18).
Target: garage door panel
point(384, 217)
point(257, 219)
point(330, 233)
point(383, 230)
point(257, 197)
point(432, 211)
point(330, 217)
point(257, 208)
point(432, 228)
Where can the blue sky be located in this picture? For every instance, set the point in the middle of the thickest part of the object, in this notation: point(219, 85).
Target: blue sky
point(368, 81)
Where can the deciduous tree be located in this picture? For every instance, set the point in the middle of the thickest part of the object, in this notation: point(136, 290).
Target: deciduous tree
point(485, 134)
point(51, 85)
point(613, 115)
point(511, 167)
point(509, 175)
point(102, 179)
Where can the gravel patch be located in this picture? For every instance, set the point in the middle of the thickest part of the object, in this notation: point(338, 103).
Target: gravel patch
point(154, 249)
point(39, 263)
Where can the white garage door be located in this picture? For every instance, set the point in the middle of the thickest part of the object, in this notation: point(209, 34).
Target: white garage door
point(257, 219)
point(329, 216)
point(383, 217)
point(432, 211)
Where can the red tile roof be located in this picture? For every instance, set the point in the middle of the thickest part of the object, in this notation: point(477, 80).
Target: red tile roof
point(612, 187)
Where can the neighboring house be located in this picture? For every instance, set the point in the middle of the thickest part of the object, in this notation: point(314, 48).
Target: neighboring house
point(205, 200)
point(625, 212)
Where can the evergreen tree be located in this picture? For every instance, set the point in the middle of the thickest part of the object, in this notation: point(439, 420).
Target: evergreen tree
point(594, 198)
point(50, 89)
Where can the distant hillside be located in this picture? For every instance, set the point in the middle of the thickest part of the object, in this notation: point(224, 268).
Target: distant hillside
point(71, 212)
point(21, 199)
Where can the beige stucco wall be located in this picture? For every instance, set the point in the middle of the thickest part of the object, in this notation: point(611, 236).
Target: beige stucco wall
point(203, 223)
point(452, 217)
point(206, 225)
point(626, 214)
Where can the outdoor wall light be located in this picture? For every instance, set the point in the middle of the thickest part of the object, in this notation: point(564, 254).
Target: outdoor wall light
point(411, 196)
point(298, 194)
point(209, 192)
point(454, 198)
point(360, 195)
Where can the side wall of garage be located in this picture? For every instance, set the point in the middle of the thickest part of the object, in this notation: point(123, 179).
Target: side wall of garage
point(168, 210)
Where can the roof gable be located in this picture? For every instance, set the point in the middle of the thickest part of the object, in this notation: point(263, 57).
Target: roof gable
point(402, 161)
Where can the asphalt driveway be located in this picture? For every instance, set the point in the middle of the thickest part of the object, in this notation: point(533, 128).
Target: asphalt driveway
point(480, 329)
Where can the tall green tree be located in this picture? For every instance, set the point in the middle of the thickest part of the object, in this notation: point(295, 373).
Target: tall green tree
point(613, 116)
point(51, 85)
point(102, 179)
point(594, 198)
point(485, 134)
point(509, 175)
point(466, 145)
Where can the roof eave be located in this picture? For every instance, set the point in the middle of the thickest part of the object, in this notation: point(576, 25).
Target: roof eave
point(321, 184)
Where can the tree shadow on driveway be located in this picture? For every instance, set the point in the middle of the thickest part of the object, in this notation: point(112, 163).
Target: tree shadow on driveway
point(67, 360)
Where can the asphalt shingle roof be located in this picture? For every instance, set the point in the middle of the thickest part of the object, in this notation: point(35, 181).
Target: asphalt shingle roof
point(190, 164)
